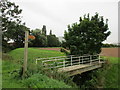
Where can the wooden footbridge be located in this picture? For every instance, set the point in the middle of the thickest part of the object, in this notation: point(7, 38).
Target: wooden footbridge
point(72, 65)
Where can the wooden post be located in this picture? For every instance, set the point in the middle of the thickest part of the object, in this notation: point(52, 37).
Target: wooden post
point(25, 53)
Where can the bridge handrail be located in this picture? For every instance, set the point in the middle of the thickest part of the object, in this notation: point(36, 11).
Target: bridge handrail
point(49, 58)
point(55, 59)
point(64, 59)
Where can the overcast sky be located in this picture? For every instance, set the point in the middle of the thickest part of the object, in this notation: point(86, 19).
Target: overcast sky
point(57, 14)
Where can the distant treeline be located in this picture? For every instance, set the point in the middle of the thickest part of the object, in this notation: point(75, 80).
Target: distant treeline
point(111, 45)
point(42, 39)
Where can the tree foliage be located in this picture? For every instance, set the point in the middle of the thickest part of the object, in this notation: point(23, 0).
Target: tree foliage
point(12, 28)
point(86, 37)
point(10, 13)
point(43, 40)
point(18, 35)
point(40, 39)
point(50, 32)
point(52, 41)
point(44, 30)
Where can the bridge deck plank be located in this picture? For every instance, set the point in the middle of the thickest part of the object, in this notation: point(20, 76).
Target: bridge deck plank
point(76, 67)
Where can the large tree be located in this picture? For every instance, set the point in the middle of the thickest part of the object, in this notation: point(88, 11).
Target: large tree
point(86, 37)
point(18, 35)
point(52, 40)
point(44, 31)
point(11, 21)
point(10, 13)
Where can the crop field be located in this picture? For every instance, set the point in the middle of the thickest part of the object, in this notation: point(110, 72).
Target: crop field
point(111, 52)
point(55, 49)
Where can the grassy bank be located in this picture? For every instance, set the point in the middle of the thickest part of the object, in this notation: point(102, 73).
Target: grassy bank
point(105, 77)
point(34, 53)
point(111, 73)
point(12, 64)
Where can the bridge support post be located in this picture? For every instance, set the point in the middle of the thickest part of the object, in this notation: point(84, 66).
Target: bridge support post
point(90, 59)
point(79, 60)
point(82, 59)
point(64, 63)
point(71, 60)
point(99, 58)
point(36, 61)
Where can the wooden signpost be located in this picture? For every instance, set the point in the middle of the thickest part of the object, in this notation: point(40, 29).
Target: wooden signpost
point(25, 53)
point(27, 36)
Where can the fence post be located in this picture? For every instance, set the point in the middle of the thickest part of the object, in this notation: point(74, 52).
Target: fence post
point(71, 60)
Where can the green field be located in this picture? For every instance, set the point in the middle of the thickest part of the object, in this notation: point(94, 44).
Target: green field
point(34, 53)
point(12, 62)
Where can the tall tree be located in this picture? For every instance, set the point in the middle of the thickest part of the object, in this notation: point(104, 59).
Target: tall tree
point(50, 32)
point(86, 37)
point(44, 30)
point(18, 36)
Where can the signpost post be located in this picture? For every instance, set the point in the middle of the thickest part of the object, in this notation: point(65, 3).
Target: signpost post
point(25, 53)
point(27, 36)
